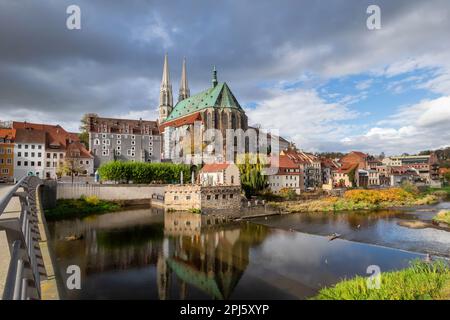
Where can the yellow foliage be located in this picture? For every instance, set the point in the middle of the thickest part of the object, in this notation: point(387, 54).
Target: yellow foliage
point(378, 196)
point(93, 200)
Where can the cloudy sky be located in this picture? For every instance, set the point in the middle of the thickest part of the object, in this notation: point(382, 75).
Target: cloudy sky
point(311, 69)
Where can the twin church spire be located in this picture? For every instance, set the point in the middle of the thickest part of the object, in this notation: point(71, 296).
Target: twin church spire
point(165, 93)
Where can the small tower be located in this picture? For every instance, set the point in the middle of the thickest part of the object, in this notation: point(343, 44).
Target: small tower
point(184, 88)
point(165, 93)
point(214, 79)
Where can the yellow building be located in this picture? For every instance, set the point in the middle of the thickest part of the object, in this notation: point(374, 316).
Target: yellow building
point(7, 154)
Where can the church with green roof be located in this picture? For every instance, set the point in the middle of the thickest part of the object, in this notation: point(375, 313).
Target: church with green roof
point(215, 108)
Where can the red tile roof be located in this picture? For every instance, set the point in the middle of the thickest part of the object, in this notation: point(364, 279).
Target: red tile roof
point(214, 167)
point(8, 134)
point(56, 136)
point(190, 119)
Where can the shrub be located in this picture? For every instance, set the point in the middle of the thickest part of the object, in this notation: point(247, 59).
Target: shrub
point(288, 193)
point(141, 172)
point(92, 200)
point(408, 186)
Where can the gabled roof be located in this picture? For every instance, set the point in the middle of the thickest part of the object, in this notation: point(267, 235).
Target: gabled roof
point(30, 135)
point(219, 96)
point(214, 167)
point(56, 136)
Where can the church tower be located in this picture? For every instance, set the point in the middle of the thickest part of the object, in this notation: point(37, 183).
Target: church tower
point(184, 88)
point(165, 93)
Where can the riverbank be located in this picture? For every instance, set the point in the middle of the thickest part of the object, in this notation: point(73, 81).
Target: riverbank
point(421, 281)
point(82, 207)
point(359, 200)
point(443, 217)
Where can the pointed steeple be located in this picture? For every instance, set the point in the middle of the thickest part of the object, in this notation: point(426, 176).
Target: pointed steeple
point(184, 88)
point(214, 79)
point(165, 93)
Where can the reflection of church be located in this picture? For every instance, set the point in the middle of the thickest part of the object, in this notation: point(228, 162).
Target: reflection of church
point(208, 259)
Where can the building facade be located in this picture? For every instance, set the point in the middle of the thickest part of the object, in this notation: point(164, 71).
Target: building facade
point(29, 153)
point(7, 137)
point(42, 150)
point(219, 174)
point(289, 176)
point(126, 140)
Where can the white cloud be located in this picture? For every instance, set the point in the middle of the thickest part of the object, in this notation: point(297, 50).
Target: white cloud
point(423, 126)
point(303, 116)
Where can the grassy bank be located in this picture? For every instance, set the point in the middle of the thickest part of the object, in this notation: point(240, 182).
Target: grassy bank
point(78, 208)
point(443, 216)
point(422, 281)
point(359, 200)
point(443, 192)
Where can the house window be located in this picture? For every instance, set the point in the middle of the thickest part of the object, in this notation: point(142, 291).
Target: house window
point(105, 153)
point(216, 197)
point(119, 136)
point(208, 197)
point(33, 146)
point(61, 155)
point(19, 163)
point(25, 163)
point(32, 154)
point(188, 197)
point(231, 196)
point(175, 198)
point(48, 164)
point(32, 163)
point(119, 141)
point(19, 146)
point(26, 146)
point(224, 196)
point(39, 147)
point(39, 163)
point(87, 161)
point(26, 154)
point(9, 161)
point(19, 154)
point(96, 142)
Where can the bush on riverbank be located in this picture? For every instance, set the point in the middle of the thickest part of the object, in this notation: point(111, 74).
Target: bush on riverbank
point(359, 200)
point(421, 281)
point(141, 172)
point(77, 208)
point(443, 216)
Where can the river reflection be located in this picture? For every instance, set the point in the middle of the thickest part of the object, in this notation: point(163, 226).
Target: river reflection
point(146, 254)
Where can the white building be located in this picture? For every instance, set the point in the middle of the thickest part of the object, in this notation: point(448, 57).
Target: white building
point(289, 176)
point(29, 153)
point(218, 174)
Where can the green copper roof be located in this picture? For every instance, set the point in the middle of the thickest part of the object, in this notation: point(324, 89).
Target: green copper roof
point(218, 97)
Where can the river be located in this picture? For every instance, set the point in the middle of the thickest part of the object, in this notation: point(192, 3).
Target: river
point(146, 254)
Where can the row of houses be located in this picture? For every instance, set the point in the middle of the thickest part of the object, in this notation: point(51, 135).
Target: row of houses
point(46, 151)
point(300, 171)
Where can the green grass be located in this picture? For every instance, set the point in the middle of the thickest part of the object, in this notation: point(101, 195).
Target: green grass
point(443, 216)
point(342, 204)
point(78, 208)
point(442, 192)
point(421, 281)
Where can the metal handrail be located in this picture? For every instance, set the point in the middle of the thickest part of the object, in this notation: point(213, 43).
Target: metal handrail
point(7, 197)
point(23, 278)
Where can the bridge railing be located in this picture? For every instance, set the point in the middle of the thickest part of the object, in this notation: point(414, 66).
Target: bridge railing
point(26, 268)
